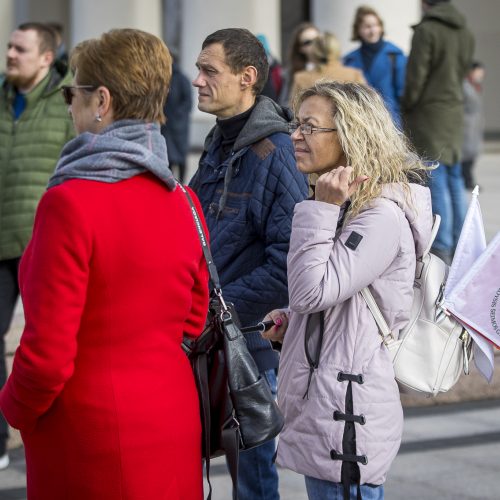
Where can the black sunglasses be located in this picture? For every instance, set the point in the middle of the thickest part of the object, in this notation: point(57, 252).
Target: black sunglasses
point(305, 43)
point(67, 91)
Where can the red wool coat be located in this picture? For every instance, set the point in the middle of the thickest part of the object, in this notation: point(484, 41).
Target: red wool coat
point(101, 389)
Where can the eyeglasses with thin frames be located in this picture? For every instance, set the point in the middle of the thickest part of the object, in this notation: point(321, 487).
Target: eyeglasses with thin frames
point(67, 91)
point(307, 128)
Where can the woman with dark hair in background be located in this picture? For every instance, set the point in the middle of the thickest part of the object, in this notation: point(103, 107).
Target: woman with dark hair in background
point(382, 63)
point(299, 56)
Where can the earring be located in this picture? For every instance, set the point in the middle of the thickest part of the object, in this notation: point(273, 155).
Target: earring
point(98, 118)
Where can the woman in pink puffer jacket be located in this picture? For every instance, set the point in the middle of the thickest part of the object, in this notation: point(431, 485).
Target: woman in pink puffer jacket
point(366, 226)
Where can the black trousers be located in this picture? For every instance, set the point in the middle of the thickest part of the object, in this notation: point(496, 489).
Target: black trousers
point(9, 291)
point(467, 167)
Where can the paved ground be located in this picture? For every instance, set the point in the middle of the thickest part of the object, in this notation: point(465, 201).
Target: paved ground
point(448, 453)
point(450, 447)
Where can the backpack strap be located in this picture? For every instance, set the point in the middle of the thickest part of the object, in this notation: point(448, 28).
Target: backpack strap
point(435, 226)
point(383, 327)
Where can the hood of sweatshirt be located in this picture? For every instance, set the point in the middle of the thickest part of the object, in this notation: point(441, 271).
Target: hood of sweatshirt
point(266, 118)
point(445, 13)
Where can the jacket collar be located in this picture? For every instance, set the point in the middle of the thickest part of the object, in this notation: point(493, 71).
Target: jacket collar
point(48, 86)
point(266, 118)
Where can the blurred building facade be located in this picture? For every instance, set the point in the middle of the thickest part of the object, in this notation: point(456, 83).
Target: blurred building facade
point(183, 24)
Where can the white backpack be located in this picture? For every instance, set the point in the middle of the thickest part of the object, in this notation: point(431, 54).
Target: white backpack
point(433, 350)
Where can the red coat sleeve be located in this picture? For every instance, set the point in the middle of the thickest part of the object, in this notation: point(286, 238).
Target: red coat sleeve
point(54, 277)
point(197, 317)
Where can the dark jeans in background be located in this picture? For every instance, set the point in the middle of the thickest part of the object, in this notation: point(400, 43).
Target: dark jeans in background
point(9, 291)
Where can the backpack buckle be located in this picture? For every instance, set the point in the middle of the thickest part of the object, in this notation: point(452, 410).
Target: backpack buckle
point(388, 339)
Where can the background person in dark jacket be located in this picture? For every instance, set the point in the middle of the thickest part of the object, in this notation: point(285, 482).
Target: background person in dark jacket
point(176, 129)
point(274, 82)
point(382, 63)
point(433, 111)
point(61, 57)
point(34, 126)
point(248, 185)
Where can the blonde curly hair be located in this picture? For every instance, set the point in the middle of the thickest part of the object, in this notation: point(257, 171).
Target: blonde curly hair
point(372, 144)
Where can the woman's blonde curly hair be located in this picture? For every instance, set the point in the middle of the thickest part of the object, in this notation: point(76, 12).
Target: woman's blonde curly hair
point(371, 142)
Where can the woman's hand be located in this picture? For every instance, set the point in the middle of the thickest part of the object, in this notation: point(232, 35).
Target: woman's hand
point(334, 186)
point(277, 332)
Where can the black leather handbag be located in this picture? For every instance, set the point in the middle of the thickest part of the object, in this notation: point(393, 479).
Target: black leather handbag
point(238, 410)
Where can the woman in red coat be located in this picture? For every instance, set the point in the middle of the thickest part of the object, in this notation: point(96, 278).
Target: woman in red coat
point(113, 278)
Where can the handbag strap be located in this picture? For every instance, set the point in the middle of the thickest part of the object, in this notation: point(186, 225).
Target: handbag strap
point(214, 275)
point(383, 327)
point(229, 437)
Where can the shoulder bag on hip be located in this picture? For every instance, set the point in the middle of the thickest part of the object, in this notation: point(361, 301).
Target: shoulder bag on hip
point(238, 410)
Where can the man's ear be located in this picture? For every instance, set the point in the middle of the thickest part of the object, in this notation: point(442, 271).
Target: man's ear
point(47, 58)
point(248, 77)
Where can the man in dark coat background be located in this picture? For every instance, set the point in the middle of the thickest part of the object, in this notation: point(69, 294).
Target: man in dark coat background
point(248, 184)
point(176, 129)
point(433, 110)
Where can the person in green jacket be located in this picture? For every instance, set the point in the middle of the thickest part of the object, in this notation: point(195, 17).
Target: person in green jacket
point(433, 111)
point(34, 126)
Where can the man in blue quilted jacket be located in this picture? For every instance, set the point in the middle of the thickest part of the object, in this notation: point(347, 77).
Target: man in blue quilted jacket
point(248, 185)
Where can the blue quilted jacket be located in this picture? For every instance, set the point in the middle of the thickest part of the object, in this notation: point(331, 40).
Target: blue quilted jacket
point(248, 202)
point(386, 74)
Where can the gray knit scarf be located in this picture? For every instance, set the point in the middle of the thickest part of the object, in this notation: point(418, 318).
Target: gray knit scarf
point(124, 149)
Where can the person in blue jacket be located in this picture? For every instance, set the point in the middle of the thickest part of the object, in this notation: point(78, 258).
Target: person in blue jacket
point(382, 63)
point(248, 184)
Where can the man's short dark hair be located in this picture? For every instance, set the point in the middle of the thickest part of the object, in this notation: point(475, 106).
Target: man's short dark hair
point(242, 49)
point(46, 35)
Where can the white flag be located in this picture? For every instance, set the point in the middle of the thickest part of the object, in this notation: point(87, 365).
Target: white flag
point(475, 301)
point(471, 245)
point(476, 298)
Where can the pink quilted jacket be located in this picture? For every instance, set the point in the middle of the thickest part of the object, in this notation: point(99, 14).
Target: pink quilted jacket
point(327, 267)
